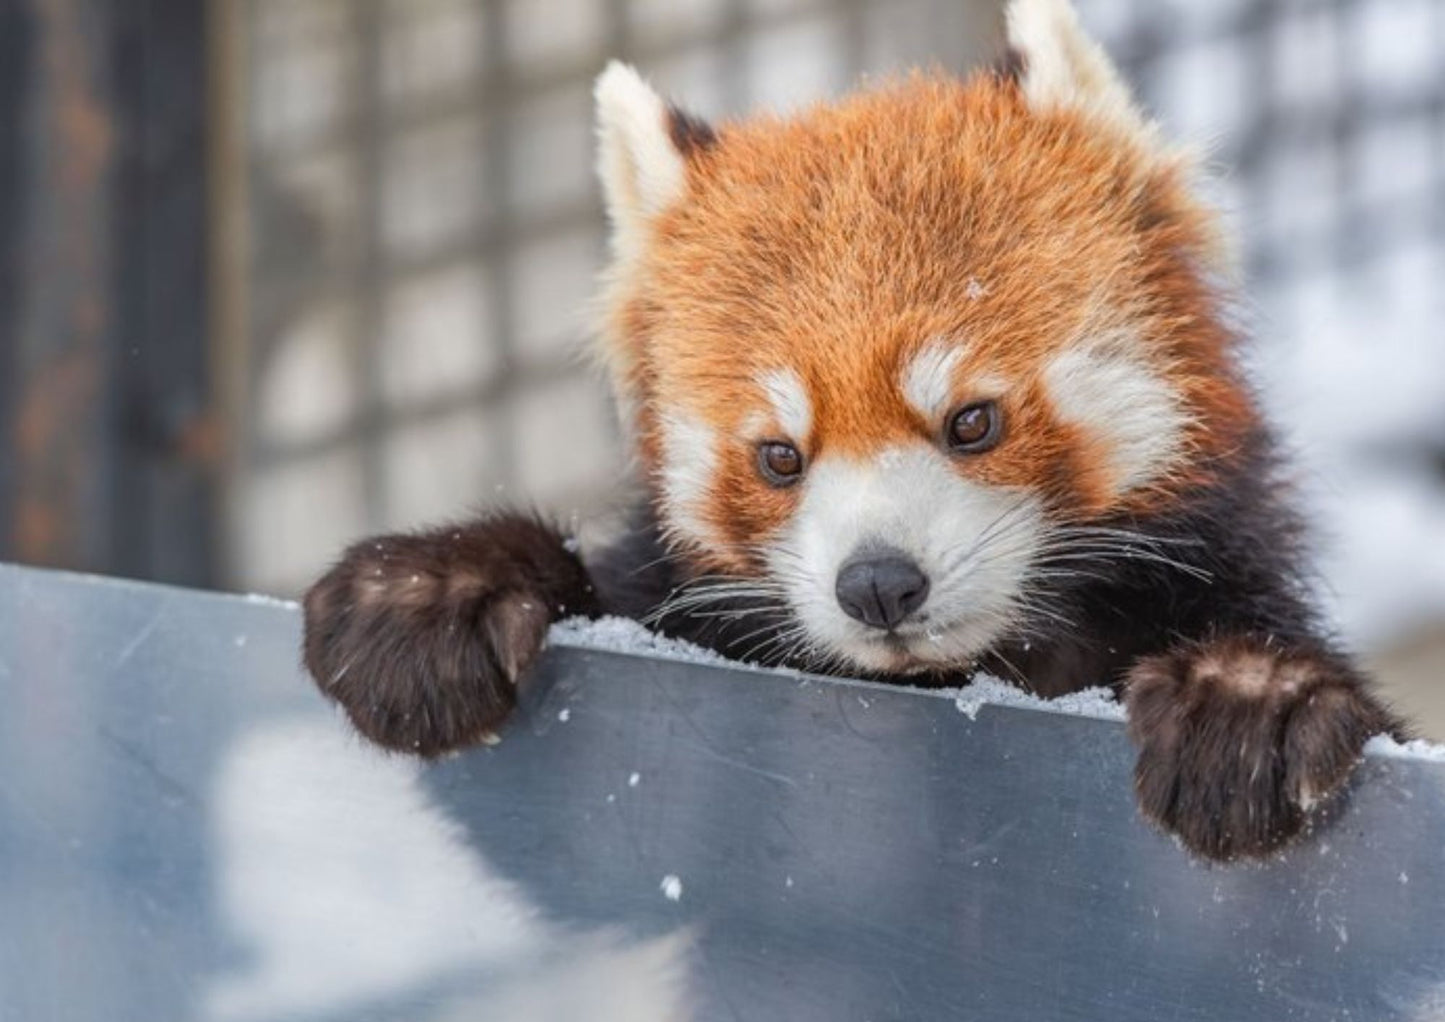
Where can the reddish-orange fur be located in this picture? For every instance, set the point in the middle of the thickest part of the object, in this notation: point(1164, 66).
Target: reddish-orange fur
point(838, 242)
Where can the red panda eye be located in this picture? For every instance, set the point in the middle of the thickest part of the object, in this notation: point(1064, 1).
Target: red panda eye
point(781, 464)
point(975, 428)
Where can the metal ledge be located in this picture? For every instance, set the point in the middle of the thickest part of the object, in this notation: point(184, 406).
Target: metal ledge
point(186, 831)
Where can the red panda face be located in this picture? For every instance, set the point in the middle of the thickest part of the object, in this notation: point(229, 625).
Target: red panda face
point(886, 356)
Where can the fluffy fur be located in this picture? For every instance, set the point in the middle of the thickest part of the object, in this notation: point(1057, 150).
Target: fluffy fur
point(983, 321)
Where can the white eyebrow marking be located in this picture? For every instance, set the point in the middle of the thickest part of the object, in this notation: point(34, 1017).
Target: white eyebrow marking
point(790, 402)
point(927, 379)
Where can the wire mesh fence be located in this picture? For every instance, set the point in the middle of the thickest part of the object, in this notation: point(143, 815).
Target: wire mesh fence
point(427, 233)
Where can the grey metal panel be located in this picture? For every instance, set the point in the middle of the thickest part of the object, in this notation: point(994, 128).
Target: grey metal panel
point(187, 832)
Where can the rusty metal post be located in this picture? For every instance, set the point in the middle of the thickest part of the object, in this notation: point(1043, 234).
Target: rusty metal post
point(106, 440)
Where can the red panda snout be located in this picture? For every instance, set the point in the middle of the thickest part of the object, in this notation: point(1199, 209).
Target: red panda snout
point(898, 562)
point(881, 587)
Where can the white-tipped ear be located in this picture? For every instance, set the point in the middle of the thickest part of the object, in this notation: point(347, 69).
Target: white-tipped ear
point(1063, 68)
point(641, 168)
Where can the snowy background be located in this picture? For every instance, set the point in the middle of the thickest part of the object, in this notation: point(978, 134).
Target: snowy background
point(422, 234)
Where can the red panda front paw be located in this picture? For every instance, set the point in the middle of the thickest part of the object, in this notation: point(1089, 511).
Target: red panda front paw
point(423, 638)
point(1239, 742)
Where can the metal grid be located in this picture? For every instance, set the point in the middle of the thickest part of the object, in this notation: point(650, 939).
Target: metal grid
point(1326, 117)
point(427, 233)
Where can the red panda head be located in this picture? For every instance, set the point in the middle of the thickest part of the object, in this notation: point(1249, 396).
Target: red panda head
point(877, 355)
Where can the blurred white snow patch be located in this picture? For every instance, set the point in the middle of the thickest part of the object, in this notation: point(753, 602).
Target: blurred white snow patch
point(1386, 747)
point(984, 690)
point(1396, 47)
point(623, 635)
point(1383, 560)
point(671, 887)
point(602, 979)
point(1356, 382)
point(315, 884)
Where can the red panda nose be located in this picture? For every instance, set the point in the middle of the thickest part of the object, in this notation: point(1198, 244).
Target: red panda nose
point(881, 587)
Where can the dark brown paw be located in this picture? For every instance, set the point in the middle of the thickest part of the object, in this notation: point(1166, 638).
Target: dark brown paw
point(422, 639)
point(1239, 743)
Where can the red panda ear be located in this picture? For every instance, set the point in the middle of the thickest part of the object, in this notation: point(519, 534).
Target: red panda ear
point(1059, 67)
point(643, 145)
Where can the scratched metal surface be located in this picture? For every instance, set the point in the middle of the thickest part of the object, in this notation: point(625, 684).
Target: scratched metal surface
point(186, 832)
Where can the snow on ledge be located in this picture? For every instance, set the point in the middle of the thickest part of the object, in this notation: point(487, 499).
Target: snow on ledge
point(1419, 749)
point(623, 635)
point(984, 690)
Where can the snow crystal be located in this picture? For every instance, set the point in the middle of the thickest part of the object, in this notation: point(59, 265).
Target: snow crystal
point(987, 691)
point(671, 887)
point(1387, 748)
point(564, 715)
point(623, 635)
point(634, 779)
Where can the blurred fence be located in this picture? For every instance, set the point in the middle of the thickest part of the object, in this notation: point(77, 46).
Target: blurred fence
point(427, 233)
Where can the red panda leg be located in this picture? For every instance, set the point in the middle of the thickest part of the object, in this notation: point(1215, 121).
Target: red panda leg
point(1240, 740)
point(423, 637)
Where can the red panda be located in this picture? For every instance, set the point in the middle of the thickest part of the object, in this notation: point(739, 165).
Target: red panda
point(936, 378)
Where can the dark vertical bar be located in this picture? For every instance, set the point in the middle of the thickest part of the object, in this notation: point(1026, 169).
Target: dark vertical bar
point(1437, 123)
point(1260, 138)
point(105, 396)
point(1352, 229)
point(500, 228)
point(166, 431)
point(854, 14)
point(616, 38)
point(737, 82)
point(370, 289)
point(16, 43)
point(62, 314)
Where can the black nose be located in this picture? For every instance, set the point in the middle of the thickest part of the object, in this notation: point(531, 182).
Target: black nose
point(881, 588)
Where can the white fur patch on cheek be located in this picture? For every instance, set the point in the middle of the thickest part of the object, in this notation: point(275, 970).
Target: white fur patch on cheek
point(689, 461)
point(1124, 404)
point(927, 379)
point(790, 402)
